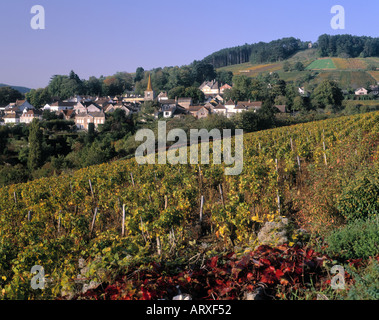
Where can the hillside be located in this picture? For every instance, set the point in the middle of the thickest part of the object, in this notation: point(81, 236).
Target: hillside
point(350, 73)
point(111, 223)
point(23, 90)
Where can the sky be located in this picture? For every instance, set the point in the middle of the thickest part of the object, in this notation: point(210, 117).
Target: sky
point(96, 38)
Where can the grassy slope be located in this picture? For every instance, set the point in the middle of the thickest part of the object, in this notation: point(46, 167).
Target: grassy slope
point(350, 73)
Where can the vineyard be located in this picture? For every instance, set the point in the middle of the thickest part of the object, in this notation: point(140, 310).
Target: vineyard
point(113, 228)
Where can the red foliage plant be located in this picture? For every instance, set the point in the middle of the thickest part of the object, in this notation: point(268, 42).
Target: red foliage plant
point(222, 277)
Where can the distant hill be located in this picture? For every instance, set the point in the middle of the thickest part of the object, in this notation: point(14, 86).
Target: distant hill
point(23, 90)
point(350, 72)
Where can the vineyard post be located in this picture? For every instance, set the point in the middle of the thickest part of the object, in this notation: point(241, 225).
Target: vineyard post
point(291, 143)
point(298, 163)
point(323, 145)
point(159, 249)
point(123, 220)
point(93, 220)
point(29, 216)
point(15, 198)
point(131, 175)
point(90, 185)
point(59, 221)
point(222, 195)
point(278, 197)
point(201, 208)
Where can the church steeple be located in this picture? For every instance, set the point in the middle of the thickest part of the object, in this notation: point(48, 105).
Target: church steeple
point(149, 93)
point(149, 87)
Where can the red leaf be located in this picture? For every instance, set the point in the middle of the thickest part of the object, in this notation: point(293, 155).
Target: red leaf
point(279, 274)
point(213, 262)
point(266, 261)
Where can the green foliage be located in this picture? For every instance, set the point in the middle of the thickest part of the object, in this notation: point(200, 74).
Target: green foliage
point(346, 45)
point(35, 146)
point(358, 239)
point(327, 93)
point(38, 98)
point(366, 286)
point(8, 95)
point(359, 197)
point(12, 174)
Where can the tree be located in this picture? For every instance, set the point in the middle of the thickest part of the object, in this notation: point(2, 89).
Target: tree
point(299, 66)
point(327, 93)
point(93, 86)
point(225, 77)
point(286, 66)
point(90, 137)
point(248, 121)
point(298, 104)
point(3, 138)
point(140, 74)
point(35, 146)
point(39, 97)
point(195, 93)
point(177, 92)
point(8, 95)
point(203, 71)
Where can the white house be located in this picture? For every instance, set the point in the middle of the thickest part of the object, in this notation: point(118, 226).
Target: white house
point(19, 106)
point(59, 106)
point(28, 116)
point(219, 109)
point(11, 118)
point(361, 92)
point(210, 87)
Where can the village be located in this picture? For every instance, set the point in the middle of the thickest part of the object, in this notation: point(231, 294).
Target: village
point(84, 110)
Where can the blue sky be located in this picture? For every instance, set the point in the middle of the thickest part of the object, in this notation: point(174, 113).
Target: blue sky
point(96, 38)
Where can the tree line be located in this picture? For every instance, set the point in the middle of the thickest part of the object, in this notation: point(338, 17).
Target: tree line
point(348, 46)
point(261, 52)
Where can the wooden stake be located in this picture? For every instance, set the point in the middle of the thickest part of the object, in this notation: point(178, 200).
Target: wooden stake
point(278, 198)
point(59, 221)
point(15, 197)
point(159, 248)
point(131, 175)
point(222, 195)
point(298, 162)
point(201, 208)
point(291, 144)
point(123, 221)
point(29, 215)
point(93, 220)
point(165, 202)
point(90, 185)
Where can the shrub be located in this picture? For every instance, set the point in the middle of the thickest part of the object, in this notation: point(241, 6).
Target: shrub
point(366, 286)
point(359, 198)
point(358, 239)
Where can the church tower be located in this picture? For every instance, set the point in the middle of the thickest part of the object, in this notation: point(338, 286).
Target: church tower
point(149, 93)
